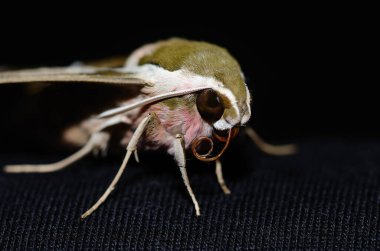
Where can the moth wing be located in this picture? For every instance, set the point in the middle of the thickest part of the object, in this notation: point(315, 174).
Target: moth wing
point(89, 74)
point(59, 97)
point(77, 74)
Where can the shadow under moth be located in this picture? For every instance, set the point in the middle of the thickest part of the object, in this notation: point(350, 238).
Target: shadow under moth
point(178, 95)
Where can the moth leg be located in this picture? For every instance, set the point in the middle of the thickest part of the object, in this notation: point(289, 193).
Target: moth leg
point(219, 175)
point(268, 148)
point(130, 149)
point(137, 156)
point(97, 141)
point(179, 156)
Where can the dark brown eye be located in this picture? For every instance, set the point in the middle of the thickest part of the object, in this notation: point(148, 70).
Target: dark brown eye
point(210, 106)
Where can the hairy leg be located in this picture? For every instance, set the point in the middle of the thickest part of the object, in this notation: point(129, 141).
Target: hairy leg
point(98, 141)
point(219, 175)
point(179, 156)
point(130, 149)
point(268, 148)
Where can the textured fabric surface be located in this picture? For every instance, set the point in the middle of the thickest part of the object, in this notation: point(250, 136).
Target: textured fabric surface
point(325, 197)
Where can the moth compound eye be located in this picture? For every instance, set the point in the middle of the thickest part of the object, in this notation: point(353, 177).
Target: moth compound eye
point(210, 106)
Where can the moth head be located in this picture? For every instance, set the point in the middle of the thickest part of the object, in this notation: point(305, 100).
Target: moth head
point(222, 108)
point(226, 103)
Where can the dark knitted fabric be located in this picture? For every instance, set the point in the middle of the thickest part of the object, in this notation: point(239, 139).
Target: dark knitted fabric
point(325, 197)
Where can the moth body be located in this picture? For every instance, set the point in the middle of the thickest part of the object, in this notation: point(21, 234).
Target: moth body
point(175, 65)
point(189, 95)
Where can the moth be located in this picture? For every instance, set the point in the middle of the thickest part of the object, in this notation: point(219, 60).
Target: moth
point(181, 96)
